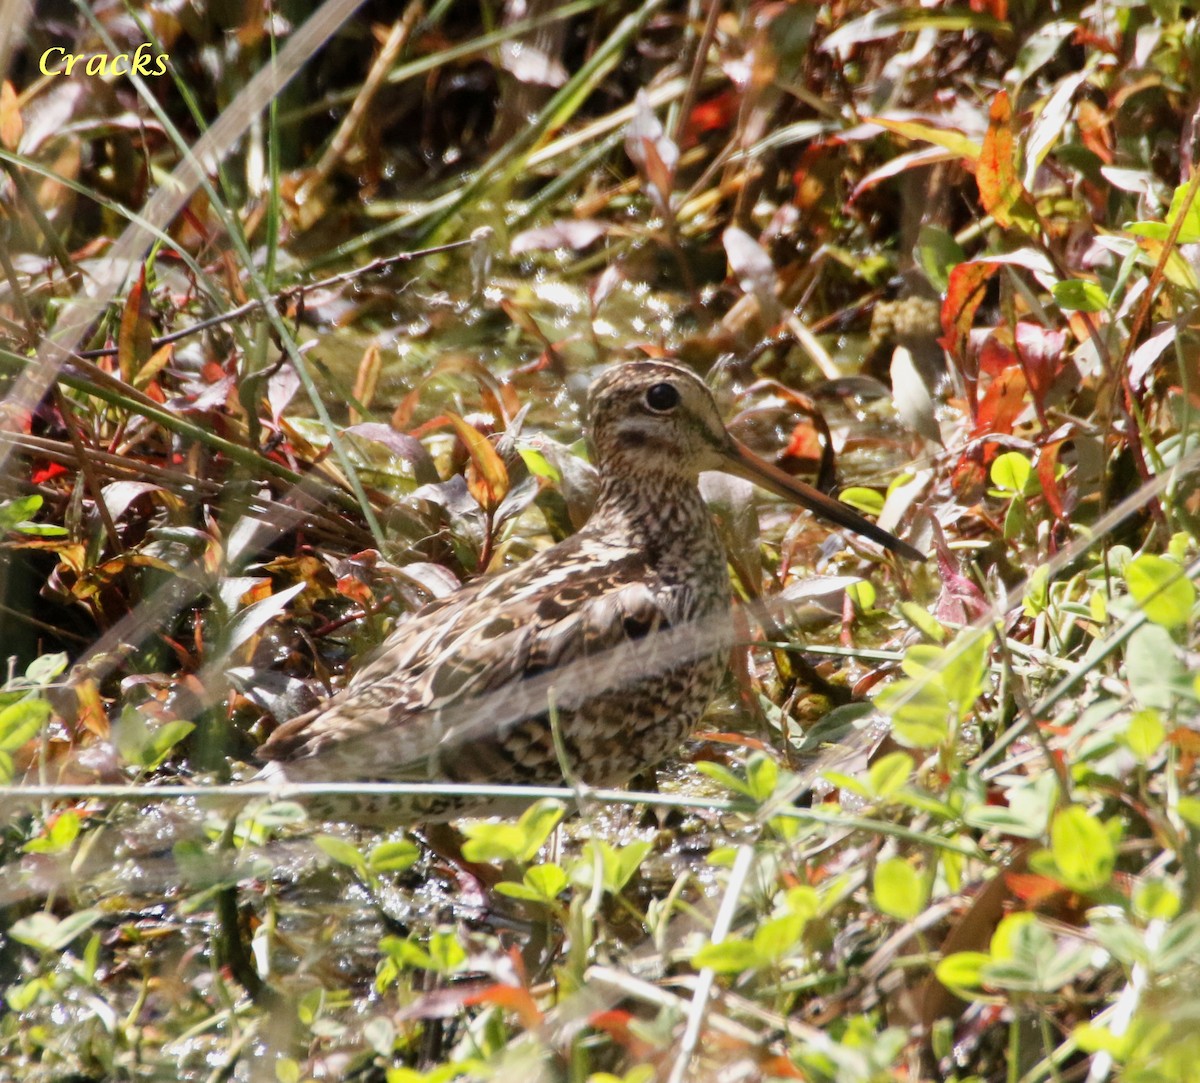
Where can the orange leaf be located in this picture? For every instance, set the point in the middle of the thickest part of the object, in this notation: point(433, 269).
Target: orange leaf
point(355, 589)
point(1185, 740)
point(89, 708)
point(511, 998)
point(1002, 403)
point(618, 1025)
point(11, 125)
point(134, 339)
point(1031, 888)
point(964, 294)
point(489, 483)
point(1000, 189)
point(366, 380)
point(781, 1068)
point(1047, 464)
point(739, 740)
point(158, 361)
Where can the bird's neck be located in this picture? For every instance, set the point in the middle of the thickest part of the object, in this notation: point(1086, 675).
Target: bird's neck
point(663, 512)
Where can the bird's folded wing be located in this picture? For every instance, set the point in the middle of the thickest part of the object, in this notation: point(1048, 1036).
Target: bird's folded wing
point(450, 678)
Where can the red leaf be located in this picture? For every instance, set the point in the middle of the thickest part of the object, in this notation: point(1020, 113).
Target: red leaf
point(713, 115)
point(1031, 888)
point(1047, 465)
point(617, 1025)
point(1002, 403)
point(511, 998)
point(960, 599)
point(45, 473)
point(1042, 355)
point(997, 9)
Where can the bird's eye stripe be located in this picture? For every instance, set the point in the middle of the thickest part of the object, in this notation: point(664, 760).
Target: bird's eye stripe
point(662, 397)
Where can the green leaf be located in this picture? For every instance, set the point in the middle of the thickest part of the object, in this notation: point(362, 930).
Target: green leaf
point(938, 253)
point(1092, 1038)
point(1012, 472)
point(629, 859)
point(63, 831)
point(762, 774)
point(164, 738)
point(493, 842)
point(1156, 900)
point(962, 973)
point(520, 891)
point(548, 880)
point(405, 952)
point(919, 709)
point(1016, 520)
point(889, 773)
point(923, 621)
point(1122, 941)
point(537, 464)
point(41, 530)
point(1030, 803)
point(447, 951)
point(246, 622)
point(964, 672)
point(46, 933)
point(1079, 295)
point(393, 856)
point(721, 774)
point(1083, 850)
point(1154, 668)
point(144, 745)
point(777, 937)
point(617, 866)
point(13, 512)
point(43, 669)
point(849, 783)
point(1180, 944)
point(863, 499)
point(513, 842)
point(1037, 592)
point(21, 722)
point(899, 889)
point(342, 852)
point(923, 660)
point(1161, 588)
point(862, 595)
point(1189, 809)
point(804, 901)
point(1145, 734)
point(1189, 232)
point(728, 957)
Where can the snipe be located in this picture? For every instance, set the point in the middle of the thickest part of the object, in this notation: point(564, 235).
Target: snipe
point(619, 634)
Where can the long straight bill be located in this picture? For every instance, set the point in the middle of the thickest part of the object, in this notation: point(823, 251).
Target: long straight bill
point(745, 464)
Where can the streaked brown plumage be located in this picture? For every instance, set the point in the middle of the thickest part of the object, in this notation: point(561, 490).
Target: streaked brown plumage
point(625, 627)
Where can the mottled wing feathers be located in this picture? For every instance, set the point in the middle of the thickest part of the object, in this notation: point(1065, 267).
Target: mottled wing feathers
point(434, 689)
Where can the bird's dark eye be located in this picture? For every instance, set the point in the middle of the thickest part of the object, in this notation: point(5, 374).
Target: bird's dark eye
point(662, 397)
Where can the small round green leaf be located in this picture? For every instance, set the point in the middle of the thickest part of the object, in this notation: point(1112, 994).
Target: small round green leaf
point(899, 889)
point(1077, 295)
point(1083, 850)
point(1161, 588)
